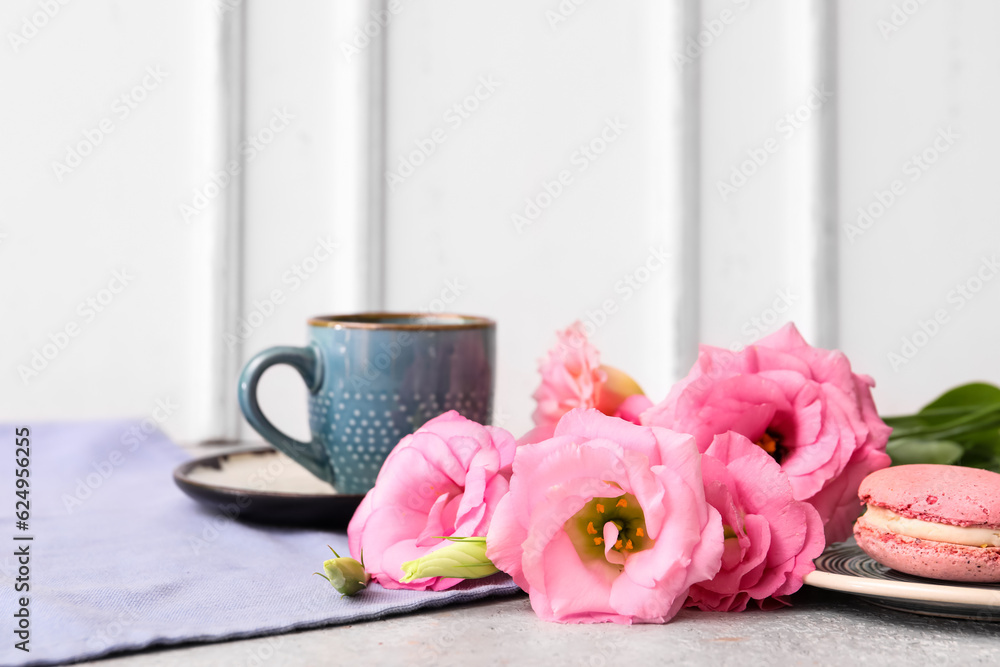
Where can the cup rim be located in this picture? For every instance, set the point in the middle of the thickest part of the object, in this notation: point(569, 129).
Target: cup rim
point(373, 320)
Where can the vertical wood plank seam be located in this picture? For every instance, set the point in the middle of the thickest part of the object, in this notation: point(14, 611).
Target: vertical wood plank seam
point(827, 282)
point(375, 288)
point(230, 242)
point(689, 306)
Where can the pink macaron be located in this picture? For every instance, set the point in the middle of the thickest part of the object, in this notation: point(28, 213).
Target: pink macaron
point(941, 522)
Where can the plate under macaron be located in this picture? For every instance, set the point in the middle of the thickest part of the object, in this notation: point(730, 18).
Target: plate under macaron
point(846, 568)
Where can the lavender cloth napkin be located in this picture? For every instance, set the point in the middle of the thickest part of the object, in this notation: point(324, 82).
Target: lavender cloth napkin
point(122, 560)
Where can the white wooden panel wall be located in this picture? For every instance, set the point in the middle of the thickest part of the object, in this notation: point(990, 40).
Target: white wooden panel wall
point(908, 78)
point(531, 86)
point(309, 187)
point(899, 75)
point(820, 96)
point(64, 76)
point(764, 109)
point(235, 272)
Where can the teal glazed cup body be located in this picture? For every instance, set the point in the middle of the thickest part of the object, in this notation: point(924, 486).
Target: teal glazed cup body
point(373, 378)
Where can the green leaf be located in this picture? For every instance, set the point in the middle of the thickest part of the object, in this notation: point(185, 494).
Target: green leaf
point(982, 455)
point(908, 450)
point(973, 419)
point(966, 395)
point(969, 426)
point(969, 407)
point(966, 417)
point(988, 439)
point(898, 422)
point(954, 430)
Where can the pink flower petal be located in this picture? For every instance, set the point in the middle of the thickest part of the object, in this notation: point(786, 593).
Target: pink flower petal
point(821, 413)
point(610, 538)
point(777, 536)
point(595, 456)
point(632, 408)
point(446, 478)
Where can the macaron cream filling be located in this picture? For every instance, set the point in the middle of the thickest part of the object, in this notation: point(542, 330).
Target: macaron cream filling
point(971, 536)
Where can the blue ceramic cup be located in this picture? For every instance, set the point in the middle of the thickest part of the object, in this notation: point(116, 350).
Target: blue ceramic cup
point(374, 378)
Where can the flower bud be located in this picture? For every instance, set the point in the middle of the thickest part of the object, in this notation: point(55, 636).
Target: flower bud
point(465, 558)
point(346, 575)
point(618, 386)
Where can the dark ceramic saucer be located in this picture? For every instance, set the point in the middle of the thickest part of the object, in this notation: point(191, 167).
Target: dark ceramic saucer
point(264, 486)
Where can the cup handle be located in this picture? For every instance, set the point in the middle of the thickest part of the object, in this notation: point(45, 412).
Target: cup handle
point(311, 455)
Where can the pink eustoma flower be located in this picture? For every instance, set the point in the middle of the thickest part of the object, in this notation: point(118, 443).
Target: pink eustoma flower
point(771, 539)
point(445, 479)
point(802, 404)
point(573, 377)
point(606, 521)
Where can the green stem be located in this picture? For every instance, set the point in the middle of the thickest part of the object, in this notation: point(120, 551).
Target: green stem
point(989, 417)
point(931, 412)
point(967, 429)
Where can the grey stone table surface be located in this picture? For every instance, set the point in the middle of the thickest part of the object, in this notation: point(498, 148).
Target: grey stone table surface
point(822, 628)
